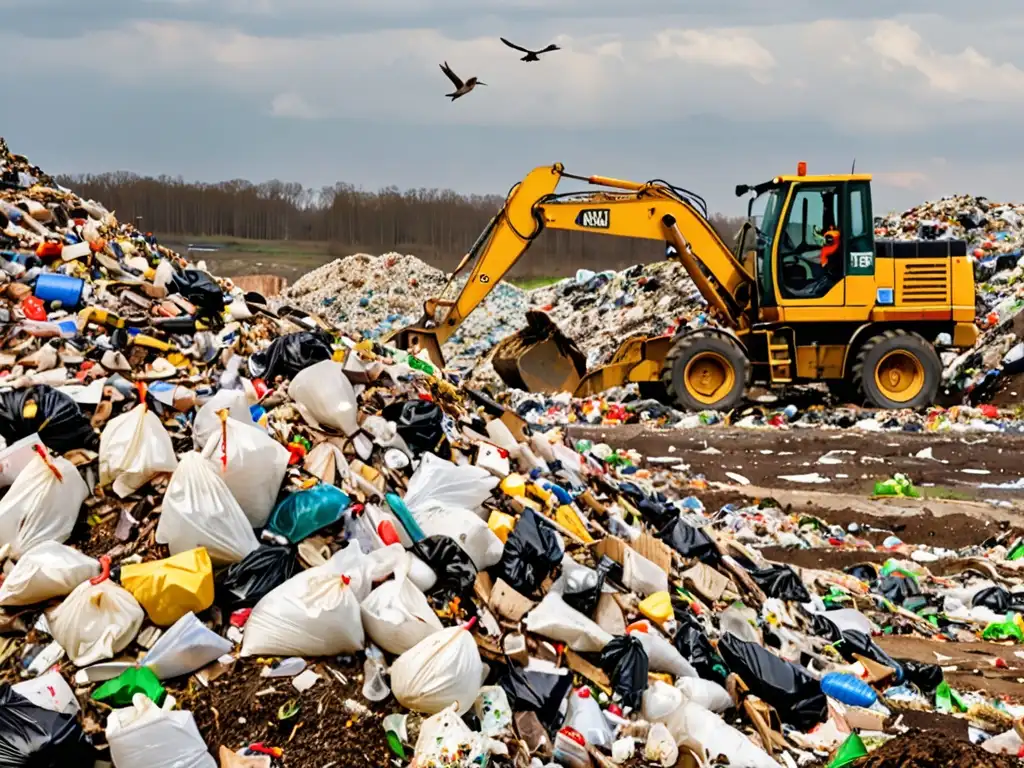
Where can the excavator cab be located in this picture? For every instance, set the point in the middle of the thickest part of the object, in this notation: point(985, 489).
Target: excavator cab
point(818, 298)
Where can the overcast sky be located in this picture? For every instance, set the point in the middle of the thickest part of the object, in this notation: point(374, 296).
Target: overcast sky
point(703, 93)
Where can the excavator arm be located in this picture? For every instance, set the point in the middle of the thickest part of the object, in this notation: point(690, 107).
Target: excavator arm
point(652, 210)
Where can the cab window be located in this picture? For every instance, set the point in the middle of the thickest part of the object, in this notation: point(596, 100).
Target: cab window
point(810, 250)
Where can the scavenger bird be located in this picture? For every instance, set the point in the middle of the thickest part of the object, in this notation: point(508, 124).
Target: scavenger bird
point(530, 55)
point(461, 88)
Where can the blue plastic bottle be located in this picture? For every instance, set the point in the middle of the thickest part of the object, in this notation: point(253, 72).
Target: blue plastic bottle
point(848, 689)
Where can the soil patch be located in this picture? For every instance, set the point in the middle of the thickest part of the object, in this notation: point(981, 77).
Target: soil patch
point(833, 559)
point(929, 749)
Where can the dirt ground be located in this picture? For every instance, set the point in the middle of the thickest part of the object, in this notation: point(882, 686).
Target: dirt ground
point(929, 749)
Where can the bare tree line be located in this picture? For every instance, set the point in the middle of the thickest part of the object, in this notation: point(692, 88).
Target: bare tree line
point(438, 225)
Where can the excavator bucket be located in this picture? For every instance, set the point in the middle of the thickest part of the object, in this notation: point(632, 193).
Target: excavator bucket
point(539, 358)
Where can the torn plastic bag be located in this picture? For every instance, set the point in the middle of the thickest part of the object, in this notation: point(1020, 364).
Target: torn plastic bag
point(789, 688)
point(662, 656)
point(856, 643)
point(48, 412)
point(396, 615)
point(49, 691)
point(48, 570)
point(440, 670)
point(782, 582)
point(252, 464)
point(169, 589)
point(36, 737)
point(41, 506)
point(96, 621)
point(706, 693)
point(200, 289)
point(302, 513)
point(690, 542)
point(186, 647)
point(208, 423)
point(325, 398)
point(624, 660)
point(315, 613)
point(927, 677)
point(531, 690)
point(146, 736)
point(134, 448)
point(419, 423)
point(120, 691)
point(555, 620)
point(642, 576)
point(248, 581)
point(695, 647)
point(200, 511)
point(532, 551)
point(288, 355)
point(446, 740)
point(999, 600)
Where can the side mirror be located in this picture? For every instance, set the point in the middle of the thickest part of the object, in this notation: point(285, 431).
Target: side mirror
point(742, 189)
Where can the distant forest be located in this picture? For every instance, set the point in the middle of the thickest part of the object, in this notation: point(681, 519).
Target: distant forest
point(438, 226)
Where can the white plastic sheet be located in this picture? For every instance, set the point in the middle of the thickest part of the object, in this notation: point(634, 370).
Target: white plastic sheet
point(252, 464)
point(184, 648)
point(145, 736)
point(557, 620)
point(641, 575)
point(443, 669)
point(315, 613)
point(48, 570)
point(95, 622)
point(207, 420)
point(397, 615)
point(662, 656)
point(134, 448)
point(50, 691)
point(41, 505)
point(706, 693)
point(325, 397)
point(200, 511)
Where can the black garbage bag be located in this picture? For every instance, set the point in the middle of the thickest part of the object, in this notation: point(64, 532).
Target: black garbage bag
point(531, 553)
point(419, 423)
point(584, 590)
point(864, 572)
point(291, 353)
point(41, 409)
point(33, 737)
point(823, 627)
point(781, 581)
point(855, 642)
point(999, 600)
point(532, 691)
point(245, 583)
point(898, 589)
point(455, 571)
point(696, 648)
point(200, 289)
point(927, 677)
point(624, 660)
point(796, 696)
point(690, 541)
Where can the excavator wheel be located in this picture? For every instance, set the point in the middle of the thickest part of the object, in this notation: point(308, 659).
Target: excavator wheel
point(898, 369)
point(705, 371)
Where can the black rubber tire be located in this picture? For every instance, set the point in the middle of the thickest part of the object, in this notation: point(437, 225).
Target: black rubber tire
point(877, 347)
point(688, 346)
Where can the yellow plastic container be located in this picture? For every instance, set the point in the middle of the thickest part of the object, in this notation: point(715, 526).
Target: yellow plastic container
point(657, 607)
point(501, 524)
point(567, 517)
point(168, 589)
point(541, 494)
point(514, 485)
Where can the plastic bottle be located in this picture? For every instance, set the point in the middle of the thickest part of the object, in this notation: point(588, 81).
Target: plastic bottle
point(585, 717)
point(848, 689)
point(571, 749)
point(374, 687)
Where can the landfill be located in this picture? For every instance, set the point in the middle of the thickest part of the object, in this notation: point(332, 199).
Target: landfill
point(239, 534)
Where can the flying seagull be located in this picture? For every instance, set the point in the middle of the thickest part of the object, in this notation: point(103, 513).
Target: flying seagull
point(530, 55)
point(461, 88)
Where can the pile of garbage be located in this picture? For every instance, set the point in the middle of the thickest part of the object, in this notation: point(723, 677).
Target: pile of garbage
point(233, 528)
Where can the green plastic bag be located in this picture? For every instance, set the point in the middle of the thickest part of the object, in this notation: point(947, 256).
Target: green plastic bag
point(850, 751)
point(119, 691)
point(1008, 629)
point(899, 486)
point(946, 699)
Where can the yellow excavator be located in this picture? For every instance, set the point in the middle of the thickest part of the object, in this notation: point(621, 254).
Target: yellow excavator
point(818, 298)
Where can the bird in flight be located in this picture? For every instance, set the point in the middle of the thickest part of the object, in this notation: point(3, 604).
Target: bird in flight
point(530, 55)
point(461, 88)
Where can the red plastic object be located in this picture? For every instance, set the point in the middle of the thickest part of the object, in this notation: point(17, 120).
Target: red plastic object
point(104, 572)
point(615, 709)
point(387, 533)
point(298, 453)
point(575, 735)
point(261, 387)
point(49, 249)
point(989, 411)
point(34, 308)
point(239, 617)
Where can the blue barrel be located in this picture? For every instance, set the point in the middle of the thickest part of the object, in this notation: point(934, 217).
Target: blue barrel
point(51, 286)
point(848, 689)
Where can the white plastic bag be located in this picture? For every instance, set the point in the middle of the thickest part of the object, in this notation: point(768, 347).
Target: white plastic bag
point(397, 615)
point(315, 613)
point(145, 736)
point(706, 693)
point(200, 511)
point(641, 575)
point(207, 420)
point(252, 464)
point(48, 570)
point(134, 448)
point(41, 505)
point(95, 622)
point(662, 655)
point(325, 397)
point(557, 620)
point(50, 691)
point(184, 648)
point(443, 669)
point(446, 740)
